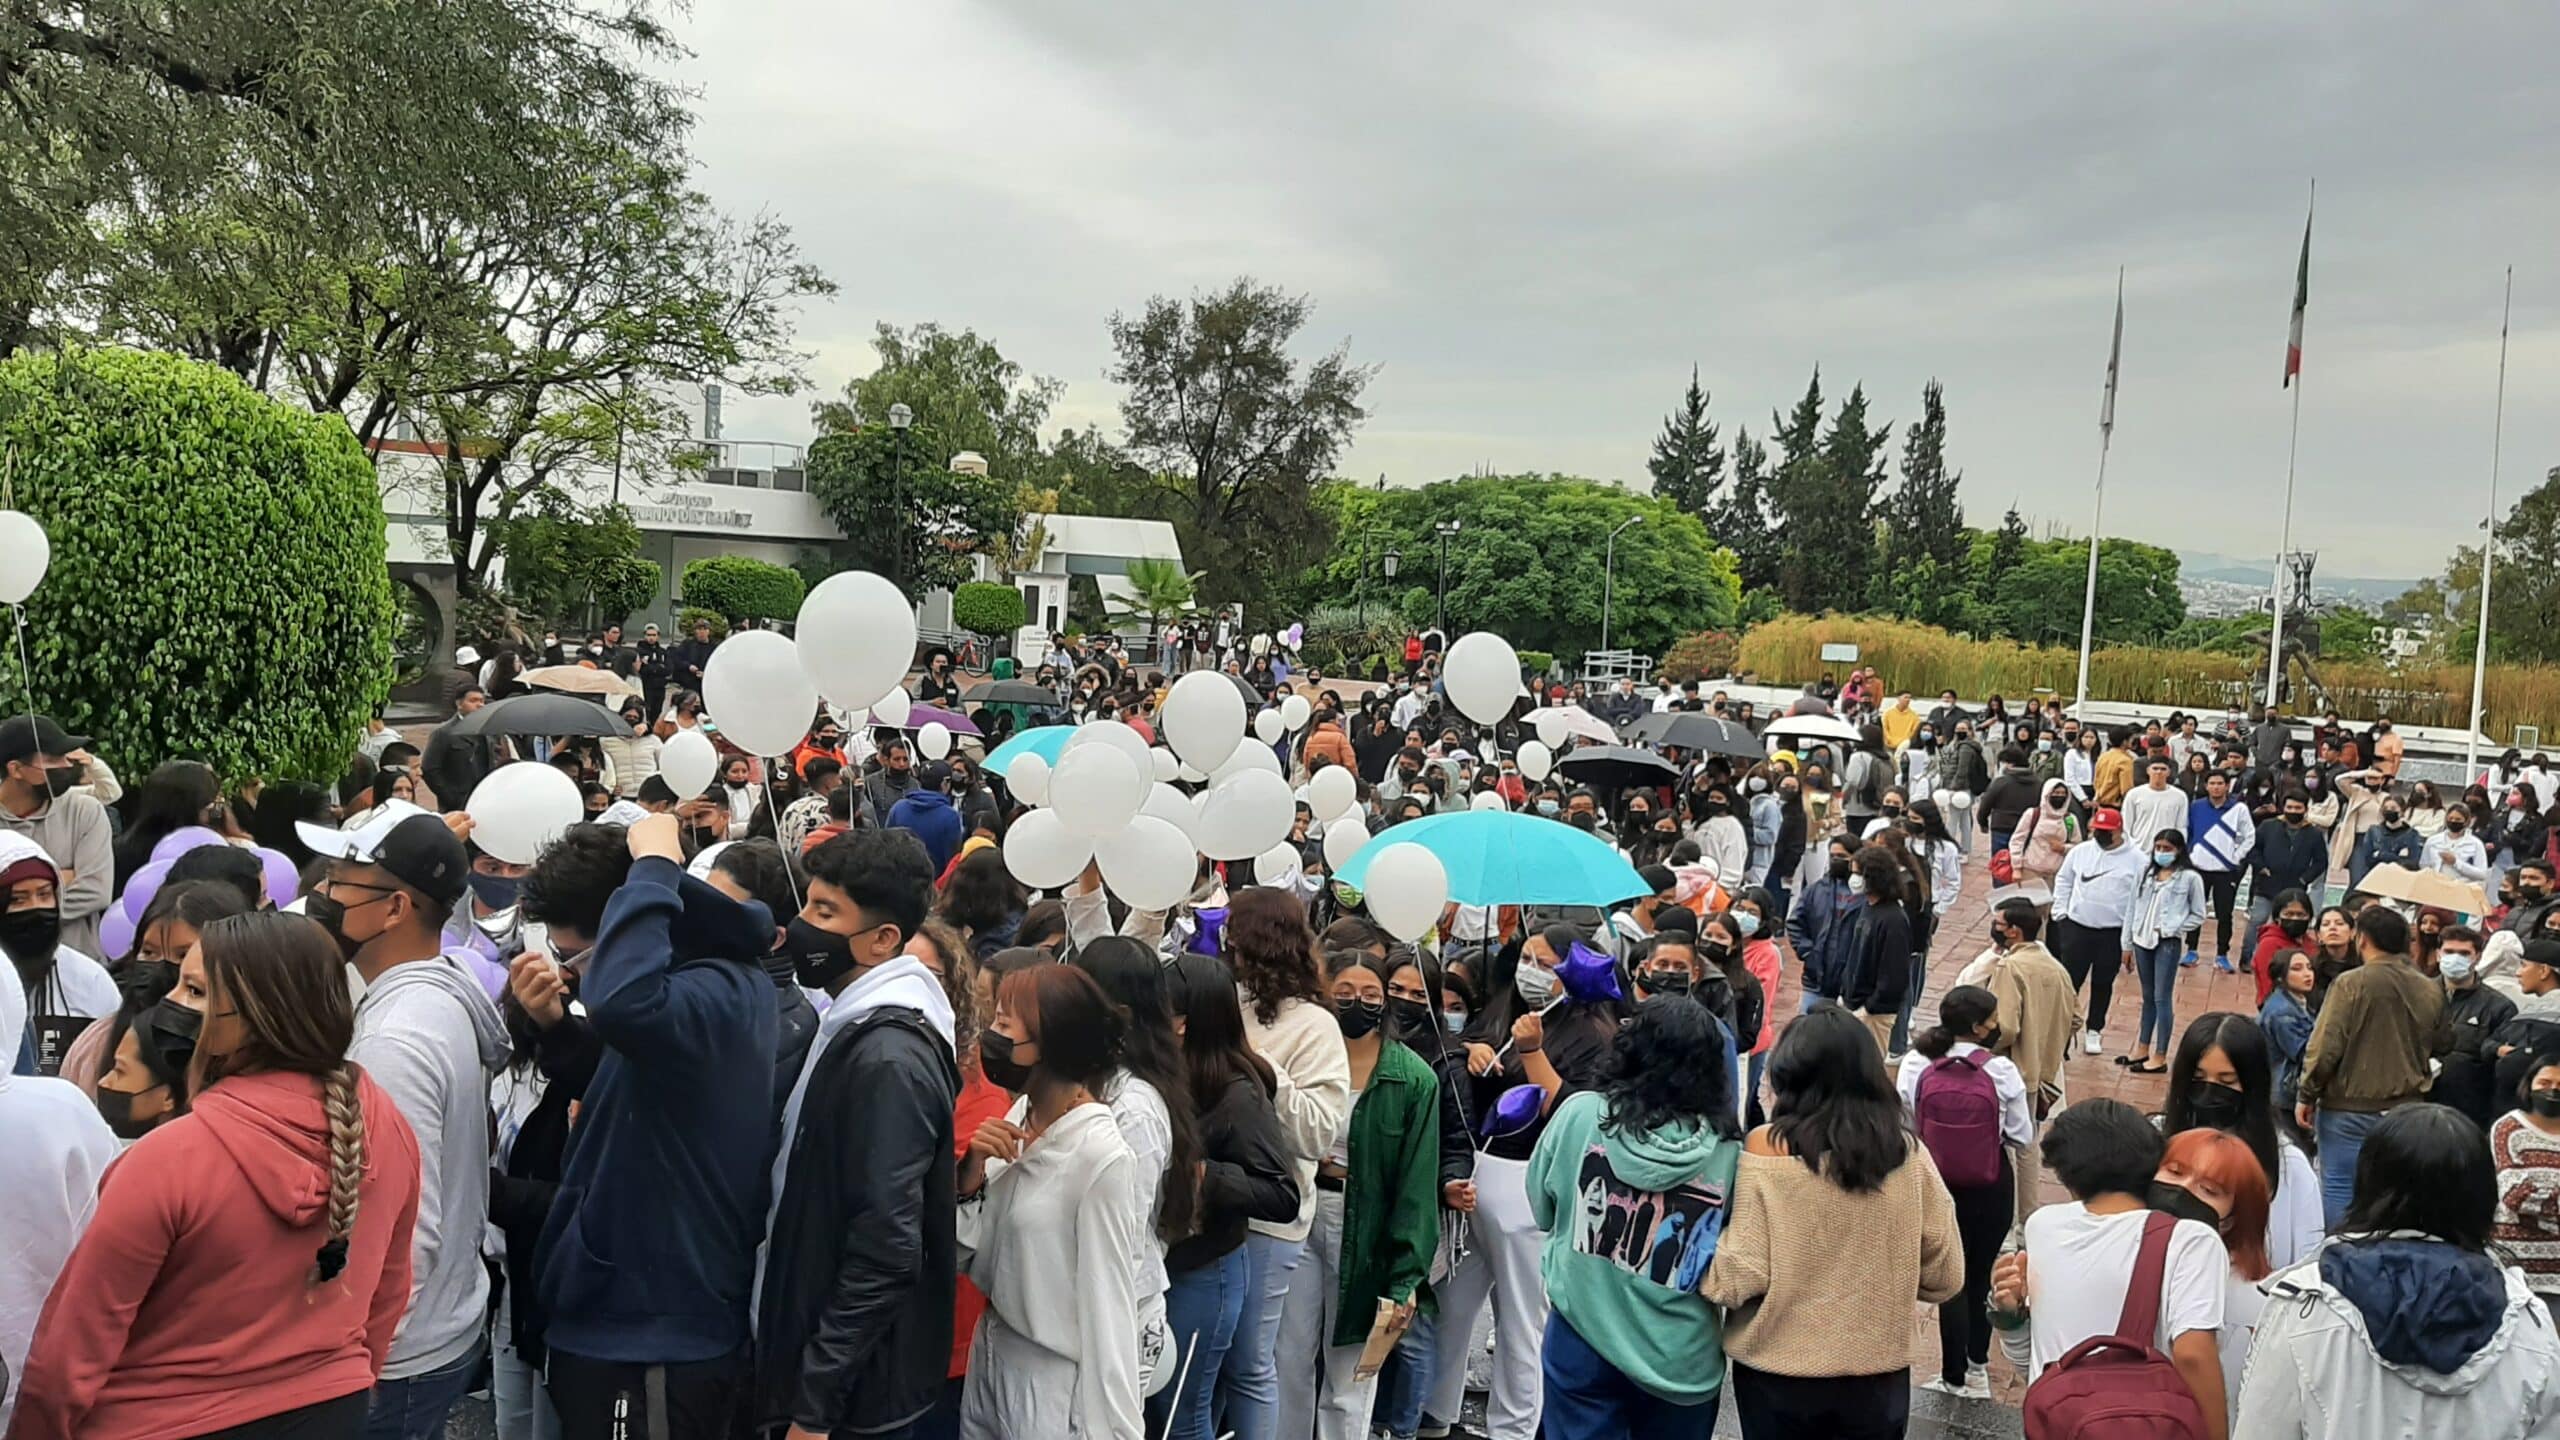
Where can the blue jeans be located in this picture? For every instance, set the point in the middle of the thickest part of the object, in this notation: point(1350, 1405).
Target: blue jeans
point(1201, 1309)
point(1249, 1384)
point(2157, 967)
point(2341, 1134)
point(1404, 1383)
point(414, 1409)
point(1588, 1399)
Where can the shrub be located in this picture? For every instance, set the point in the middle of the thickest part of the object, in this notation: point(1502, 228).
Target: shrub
point(690, 613)
point(1536, 663)
point(1702, 656)
point(218, 588)
point(1340, 640)
point(739, 587)
point(984, 607)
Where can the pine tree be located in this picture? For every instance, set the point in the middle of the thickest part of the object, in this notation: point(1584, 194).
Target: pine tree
point(1925, 544)
point(1687, 467)
point(1740, 520)
point(2008, 547)
point(1824, 495)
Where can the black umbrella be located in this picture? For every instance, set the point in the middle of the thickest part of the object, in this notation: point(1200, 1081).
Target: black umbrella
point(1616, 767)
point(1010, 692)
point(1690, 730)
point(1253, 699)
point(542, 714)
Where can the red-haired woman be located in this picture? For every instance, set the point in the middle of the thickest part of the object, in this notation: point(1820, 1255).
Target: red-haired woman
point(2213, 1176)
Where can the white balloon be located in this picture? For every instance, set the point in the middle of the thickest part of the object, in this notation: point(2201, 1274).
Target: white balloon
point(1028, 778)
point(1149, 863)
point(1270, 727)
point(934, 740)
point(756, 691)
point(1041, 852)
point(1248, 757)
point(1343, 839)
point(1278, 865)
point(1119, 737)
point(1536, 760)
point(1551, 727)
point(1095, 790)
point(25, 554)
point(1406, 887)
point(1166, 767)
point(1295, 712)
point(689, 761)
point(1189, 776)
point(1171, 806)
point(1482, 672)
point(1488, 800)
point(857, 637)
point(522, 807)
point(891, 709)
point(1203, 719)
point(1331, 792)
point(1244, 815)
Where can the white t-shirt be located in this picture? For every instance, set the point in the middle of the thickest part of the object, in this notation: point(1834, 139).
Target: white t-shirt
point(2241, 1302)
point(2078, 1265)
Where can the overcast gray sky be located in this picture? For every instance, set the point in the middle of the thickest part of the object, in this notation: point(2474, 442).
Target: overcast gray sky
point(1536, 218)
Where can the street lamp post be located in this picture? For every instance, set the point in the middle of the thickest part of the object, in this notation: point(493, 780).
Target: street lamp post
point(1609, 577)
point(900, 417)
point(1444, 529)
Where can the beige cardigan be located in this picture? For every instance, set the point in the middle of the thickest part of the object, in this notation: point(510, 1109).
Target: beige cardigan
point(1304, 1045)
point(1819, 1281)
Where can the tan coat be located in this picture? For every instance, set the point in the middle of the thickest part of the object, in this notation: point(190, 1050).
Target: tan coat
point(2039, 1013)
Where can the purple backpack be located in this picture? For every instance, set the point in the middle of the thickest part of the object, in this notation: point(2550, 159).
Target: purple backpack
point(1957, 1112)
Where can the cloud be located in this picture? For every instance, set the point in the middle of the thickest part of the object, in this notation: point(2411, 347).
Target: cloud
point(1535, 221)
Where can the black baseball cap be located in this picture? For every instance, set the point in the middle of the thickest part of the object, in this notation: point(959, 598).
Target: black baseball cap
point(413, 846)
point(23, 737)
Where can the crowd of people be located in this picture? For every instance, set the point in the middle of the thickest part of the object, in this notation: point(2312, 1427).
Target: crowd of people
point(784, 1109)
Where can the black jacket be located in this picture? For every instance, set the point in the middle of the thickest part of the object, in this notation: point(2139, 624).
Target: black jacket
point(520, 1196)
point(853, 1331)
point(1246, 1175)
point(2288, 857)
point(2468, 1073)
point(690, 658)
point(454, 765)
point(2010, 795)
point(1880, 964)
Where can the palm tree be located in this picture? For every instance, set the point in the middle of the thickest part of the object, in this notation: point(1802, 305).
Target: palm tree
point(1160, 593)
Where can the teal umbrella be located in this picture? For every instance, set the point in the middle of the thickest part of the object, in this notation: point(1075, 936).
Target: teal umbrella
point(1045, 741)
point(1496, 857)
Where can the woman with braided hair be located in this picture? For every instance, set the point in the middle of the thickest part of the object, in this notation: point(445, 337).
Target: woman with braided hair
point(243, 1276)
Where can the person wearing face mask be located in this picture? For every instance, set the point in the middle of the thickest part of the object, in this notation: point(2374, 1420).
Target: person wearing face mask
point(2168, 900)
point(1722, 840)
point(632, 755)
point(1878, 974)
point(1726, 985)
point(856, 1279)
point(2223, 1079)
point(2466, 1072)
point(2525, 1143)
point(1377, 1217)
point(40, 772)
point(2287, 929)
point(57, 1150)
point(1755, 914)
point(2535, 1027)
point(2535, 899)
point(63, 989)
point(2094, 892)
point(2369, 1051)
point(1765, 818)
point(2290, 855)
point(1631, 926)
point(2208, 1176)
point(2455, 851)
point(139, 1055)
point(1970, 1107)
point(1823, 925)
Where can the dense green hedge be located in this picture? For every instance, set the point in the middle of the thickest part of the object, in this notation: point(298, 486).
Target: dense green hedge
point(218, 588)
point(741, 588)
point(983, 607)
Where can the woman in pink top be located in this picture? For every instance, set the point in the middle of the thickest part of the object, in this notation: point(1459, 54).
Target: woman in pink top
point(1756, 914)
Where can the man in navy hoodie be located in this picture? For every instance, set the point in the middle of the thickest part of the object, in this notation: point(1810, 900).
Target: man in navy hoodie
point(926, 813)
point(648, 1258)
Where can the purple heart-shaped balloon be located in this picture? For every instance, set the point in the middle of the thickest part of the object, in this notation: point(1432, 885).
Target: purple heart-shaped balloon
point(1517, 1110)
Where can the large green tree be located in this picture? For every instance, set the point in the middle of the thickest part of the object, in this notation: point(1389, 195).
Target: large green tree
point(1687, 464)
point(1233, 431)
point(961, 389)
point(2039, 601)
point(1926, 546)
point(2524, 585)
point(906, 515)
point(1824, 494)
point(570, 564)
point(1740, 520)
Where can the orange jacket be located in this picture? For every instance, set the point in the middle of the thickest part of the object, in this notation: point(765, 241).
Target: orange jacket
point(1328, 742)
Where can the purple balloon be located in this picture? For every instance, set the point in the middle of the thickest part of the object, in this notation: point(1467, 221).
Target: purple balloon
point(179, 842)
point(1517, 1110)
point(284, 883)
point(115, 934)
point(1589, 976)
point(123, 920)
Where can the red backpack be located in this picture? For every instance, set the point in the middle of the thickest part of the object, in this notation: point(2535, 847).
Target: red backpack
point(2116, 1387)
point(1957, 1112)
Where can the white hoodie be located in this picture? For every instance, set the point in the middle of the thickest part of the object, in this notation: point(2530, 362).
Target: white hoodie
point(53, 1151)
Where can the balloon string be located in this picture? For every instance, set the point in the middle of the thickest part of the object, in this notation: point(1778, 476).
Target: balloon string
point(26, 672)
point(1542, 1015)
point(790, 868)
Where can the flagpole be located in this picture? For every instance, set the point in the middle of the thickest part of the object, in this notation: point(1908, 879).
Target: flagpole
point(2489, 542)
point(2098, 508)
point(2292, 450)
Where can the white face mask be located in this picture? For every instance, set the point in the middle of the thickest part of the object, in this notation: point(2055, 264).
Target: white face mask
point(1535, 985)
point(1857, 884)
point(1746, 922)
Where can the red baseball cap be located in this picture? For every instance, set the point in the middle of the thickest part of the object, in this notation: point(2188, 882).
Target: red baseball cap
point(2107, 820)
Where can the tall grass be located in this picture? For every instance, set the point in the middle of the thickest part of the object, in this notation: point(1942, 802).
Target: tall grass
point(1925, 660)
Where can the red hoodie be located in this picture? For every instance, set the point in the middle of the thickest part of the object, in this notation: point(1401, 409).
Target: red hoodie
point(190, 1303)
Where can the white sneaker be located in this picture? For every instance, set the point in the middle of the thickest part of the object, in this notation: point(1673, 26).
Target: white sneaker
point(1977, 1386)
point(2090, 1044)
point(1940, 1385)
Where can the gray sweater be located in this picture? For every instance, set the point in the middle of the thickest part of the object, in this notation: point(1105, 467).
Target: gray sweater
point(73, 830)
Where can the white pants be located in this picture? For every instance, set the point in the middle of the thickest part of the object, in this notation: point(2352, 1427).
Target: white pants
point(522, 1407)
point(1502, 1261)
point(1319, 1394)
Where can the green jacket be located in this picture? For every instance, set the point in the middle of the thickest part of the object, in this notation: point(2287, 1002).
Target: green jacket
point(1391, 1203)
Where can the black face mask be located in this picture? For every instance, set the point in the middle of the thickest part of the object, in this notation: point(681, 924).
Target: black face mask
point(700, 839)
point(1839, 869)
point(1998, 940)
point(819, 958)
point(496, 892)
point(2215, 1106)
point(1411, 1018)
point(1358, 1020)
point(2546, 1103)
point(2176, 1200)
point(331, 916)
point(996, 1062)
point(172, 1027)
point(2293, 927)
point(31, 936)
point(116, 1108)
point(1667, 982)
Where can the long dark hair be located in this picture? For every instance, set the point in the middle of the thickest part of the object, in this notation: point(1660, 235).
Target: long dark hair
point(172, 797)
point(2245, 1046)
point(1076, 1026)
point(2177, 837)
point(1130, 974)
point(1271, 949)
point(1961, 1012)
point(1669, 1064)
point(2425, 1168)
point(1213, 1043)
point(982, 894)
point(1834, 1107)
point(283, 977)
